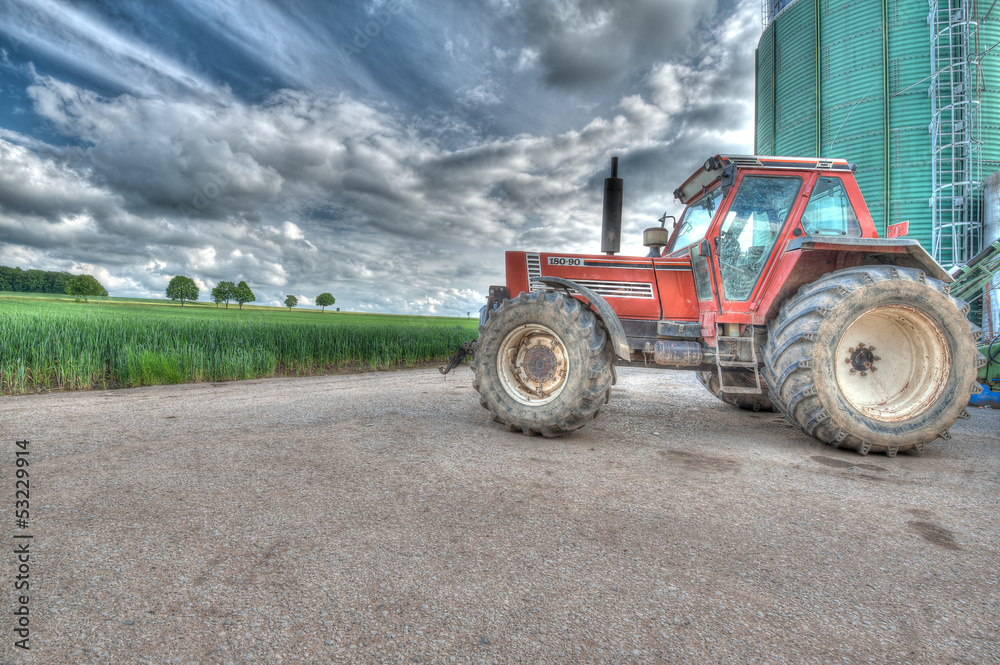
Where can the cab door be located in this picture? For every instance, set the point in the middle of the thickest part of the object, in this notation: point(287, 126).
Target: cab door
point(746, 235)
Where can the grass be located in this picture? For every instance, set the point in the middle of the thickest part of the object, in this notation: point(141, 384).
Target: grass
point(49, 342)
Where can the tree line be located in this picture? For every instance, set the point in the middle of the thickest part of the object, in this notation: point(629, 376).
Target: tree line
point(180, 287)
point(183, 288)
point(48, 281)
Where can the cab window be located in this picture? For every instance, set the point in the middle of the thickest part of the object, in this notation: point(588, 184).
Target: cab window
point(829, 211)
point(694, 223)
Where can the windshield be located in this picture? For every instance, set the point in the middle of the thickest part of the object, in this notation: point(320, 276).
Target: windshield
point(694, 223)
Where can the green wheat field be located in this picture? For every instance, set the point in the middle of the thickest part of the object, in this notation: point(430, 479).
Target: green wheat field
point(53, 343)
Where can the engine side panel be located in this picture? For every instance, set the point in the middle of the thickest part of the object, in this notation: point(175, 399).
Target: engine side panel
point(675, 282)
point(627, 283)
point(636, 287)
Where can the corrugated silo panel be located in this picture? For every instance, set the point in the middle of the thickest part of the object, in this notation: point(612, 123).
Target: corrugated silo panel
point(764, 117)
point(910, 108)
point(795, 80)
point(852, 85)
point(989, 36)
point(858, 121)
point(872, 187)
point(909, 146)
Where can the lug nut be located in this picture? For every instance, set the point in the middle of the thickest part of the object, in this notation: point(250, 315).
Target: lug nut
point(854, 371)
point(864, 374)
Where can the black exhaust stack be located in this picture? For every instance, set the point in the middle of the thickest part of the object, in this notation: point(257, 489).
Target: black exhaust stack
point(611, 226)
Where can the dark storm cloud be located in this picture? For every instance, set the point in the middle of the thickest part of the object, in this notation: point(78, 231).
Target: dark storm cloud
point(595, 42)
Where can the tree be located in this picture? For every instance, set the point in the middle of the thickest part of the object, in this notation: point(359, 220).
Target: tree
point(182, 288)
point(324, 300)
point(35, 281)
point(216, 296)
point(242, 294)
point(223, 292)
point(290, 302)
point(83, 286)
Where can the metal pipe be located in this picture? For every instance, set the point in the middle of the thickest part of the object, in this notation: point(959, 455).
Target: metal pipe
point(611, 225)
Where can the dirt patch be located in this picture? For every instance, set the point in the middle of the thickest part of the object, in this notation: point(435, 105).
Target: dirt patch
point(696, 461)
point(921, 513)
point(845, 464)
point(934, 534)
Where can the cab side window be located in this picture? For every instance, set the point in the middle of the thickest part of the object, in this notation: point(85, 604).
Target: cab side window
point(829, 211)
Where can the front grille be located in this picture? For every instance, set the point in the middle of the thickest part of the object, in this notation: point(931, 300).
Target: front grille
point(619, 289)
point(534, 270)
point(606, 289)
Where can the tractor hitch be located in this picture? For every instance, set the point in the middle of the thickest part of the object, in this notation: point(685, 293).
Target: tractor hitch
point(457, 359)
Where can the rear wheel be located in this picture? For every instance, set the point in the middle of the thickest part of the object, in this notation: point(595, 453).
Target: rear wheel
point(874, 359)
point(543, 364)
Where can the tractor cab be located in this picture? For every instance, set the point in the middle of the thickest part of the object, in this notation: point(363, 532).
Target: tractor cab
point(764, 208)
point(743, 212)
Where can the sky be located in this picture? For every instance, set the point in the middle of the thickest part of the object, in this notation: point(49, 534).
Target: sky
point(385, 151)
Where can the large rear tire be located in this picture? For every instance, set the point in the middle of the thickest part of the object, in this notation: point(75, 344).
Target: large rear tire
point(873, 359)
point(543, 364)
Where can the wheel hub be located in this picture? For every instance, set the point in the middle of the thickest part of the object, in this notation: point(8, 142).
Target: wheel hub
point(539, 364)
point(533, 364)
point(862, 359)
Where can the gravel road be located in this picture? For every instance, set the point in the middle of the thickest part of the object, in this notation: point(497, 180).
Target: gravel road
point(383, 518)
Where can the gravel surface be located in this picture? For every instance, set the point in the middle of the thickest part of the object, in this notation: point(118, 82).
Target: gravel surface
point(384, 518)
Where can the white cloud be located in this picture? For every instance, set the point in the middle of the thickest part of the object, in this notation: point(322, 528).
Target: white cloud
point(527, 59)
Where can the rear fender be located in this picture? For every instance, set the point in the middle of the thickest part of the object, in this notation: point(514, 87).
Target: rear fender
point(600, 306)
point(877, 251)
point(809, 257)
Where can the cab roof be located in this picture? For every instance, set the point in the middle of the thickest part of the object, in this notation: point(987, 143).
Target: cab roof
point(714, 166)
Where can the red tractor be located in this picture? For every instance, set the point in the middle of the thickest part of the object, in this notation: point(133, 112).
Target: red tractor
point(773, 286)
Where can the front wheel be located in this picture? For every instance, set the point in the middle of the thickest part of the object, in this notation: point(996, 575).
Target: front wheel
point(874, 359)
point(543, 364)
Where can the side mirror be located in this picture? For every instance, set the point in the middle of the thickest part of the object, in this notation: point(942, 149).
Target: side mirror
point(728, 177)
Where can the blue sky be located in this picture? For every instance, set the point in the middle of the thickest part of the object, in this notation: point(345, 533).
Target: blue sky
point(385, 151)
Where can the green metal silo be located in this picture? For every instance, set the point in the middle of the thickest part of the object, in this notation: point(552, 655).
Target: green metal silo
point(909, 90)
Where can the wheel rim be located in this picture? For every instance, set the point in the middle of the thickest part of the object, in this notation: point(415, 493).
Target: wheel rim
point(532, 364)
point(892, 363)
